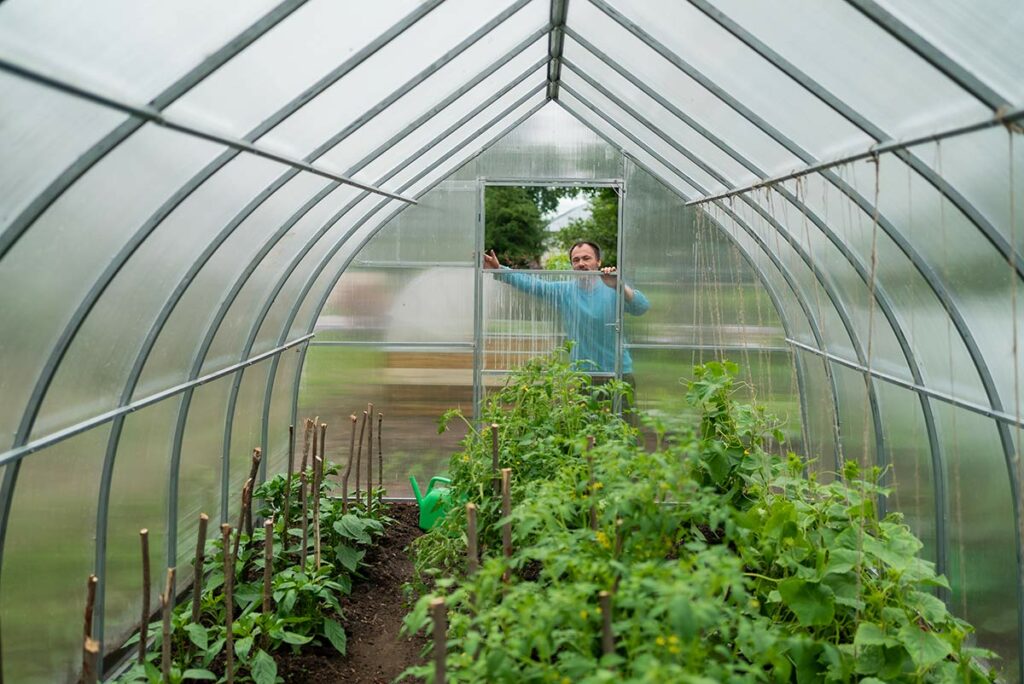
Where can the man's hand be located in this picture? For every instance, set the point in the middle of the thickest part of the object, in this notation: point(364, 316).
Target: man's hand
point(608, 276)
point(491, 260)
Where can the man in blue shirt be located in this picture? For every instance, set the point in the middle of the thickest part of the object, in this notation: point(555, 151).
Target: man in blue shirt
point(586, 305)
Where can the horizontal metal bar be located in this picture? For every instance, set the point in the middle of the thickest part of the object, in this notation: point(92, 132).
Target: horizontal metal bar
point(873, 151)
point(404, 346)
point(494, 371)
point(892, 379)
point(555, 182)
point(708, 347)
point(68, 432)
point(542, 271)
point(369, 263)
point(155, 116)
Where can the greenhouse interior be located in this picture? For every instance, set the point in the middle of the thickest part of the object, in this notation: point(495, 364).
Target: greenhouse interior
point(249, 224)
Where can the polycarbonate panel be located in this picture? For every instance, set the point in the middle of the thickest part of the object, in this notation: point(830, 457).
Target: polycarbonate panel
point(125, 48)
point(661, 143)
point(286, 61)
point(246, 430)
point(139, 290)
point(412, 388)
point(48, 556)
point(138, 499)
point(281, 412)
point(429, 40)
point(981, 167)
point(856, 427)
point(982, 531)
point(911, 476)
point(199, 469)
point(978, 36)
point(941, 355)
point(531, 151)
point(592, 68)
point(819, 404)
point(503, 112)
point(66, 250)
point(845, 52)
point(32, 161)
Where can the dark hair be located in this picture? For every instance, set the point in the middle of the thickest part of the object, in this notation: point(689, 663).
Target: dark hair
point(592, 245)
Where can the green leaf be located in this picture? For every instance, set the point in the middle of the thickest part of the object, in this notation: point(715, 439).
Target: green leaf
point(196, 673)
point(197, 635)
point(870, 634)
point(925, 648)
point(263, 669)
point(348, 556)
point(336, 635)
point(294, 638)
point(812, 603)
point(352, 527)
point(242, 648)
point(931, 608)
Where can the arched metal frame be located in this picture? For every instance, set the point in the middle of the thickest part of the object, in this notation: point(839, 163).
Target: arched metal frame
point(555, 60)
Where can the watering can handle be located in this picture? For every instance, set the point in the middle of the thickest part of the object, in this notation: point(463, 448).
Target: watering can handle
point(437, 478)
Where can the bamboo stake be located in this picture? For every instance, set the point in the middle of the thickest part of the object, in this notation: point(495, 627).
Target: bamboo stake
point(506, 511)
point(90, 604)
point(318, 470)
point(268, 562)
point(380, 459)
point(229, 603)
point(197, 580)
point(494, 458)
point(369, 459)
point(286, 512)
point(312, 456)
point(307, 429)
point(440, 617)
point(359, 453)
point(305, 520)
point(167, 605)
point(254, 467)
point(146, 592)
point(472, 555)
point(90, 660)
point(607, 635)
point(246, 488)
point(348, 467)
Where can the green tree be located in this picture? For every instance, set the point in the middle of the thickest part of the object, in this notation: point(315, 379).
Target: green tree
point(514, 221)
point(601, 227)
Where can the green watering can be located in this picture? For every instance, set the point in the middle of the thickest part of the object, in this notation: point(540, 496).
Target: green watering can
point(434, 503)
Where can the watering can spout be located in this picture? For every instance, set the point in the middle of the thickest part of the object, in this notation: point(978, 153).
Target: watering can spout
point(416, 489)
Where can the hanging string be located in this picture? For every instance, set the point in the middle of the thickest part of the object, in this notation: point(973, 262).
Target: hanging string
point(1015, 346)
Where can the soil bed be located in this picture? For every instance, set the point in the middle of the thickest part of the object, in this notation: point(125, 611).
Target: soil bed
point(373, 617)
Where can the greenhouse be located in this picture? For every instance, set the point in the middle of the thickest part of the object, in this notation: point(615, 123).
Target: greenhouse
point(219, 221)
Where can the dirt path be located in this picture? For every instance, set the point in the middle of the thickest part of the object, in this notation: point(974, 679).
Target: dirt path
point(373, 618)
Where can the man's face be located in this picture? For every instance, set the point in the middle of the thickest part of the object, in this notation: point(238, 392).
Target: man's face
point(583, 258)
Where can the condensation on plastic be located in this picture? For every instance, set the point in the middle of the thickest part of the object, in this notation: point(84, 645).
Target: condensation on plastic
point(982, 547)
point(66, 250)
point(138, 499)
point(399, 62)
point(844, 52)
point(286, 61)
point(979, 36)
point(411, 388)
point(129, 49)
point(31, 160)
point(49, 553)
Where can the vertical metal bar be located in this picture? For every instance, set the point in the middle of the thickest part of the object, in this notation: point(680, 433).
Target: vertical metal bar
point(556, 39)
point(478, 299)
point(620, 292)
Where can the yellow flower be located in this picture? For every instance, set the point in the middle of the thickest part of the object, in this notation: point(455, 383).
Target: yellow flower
point(566, 680)
point(602, 539)
point(660, 641)
point(598, 485)
point(673, 639)
point(584, 615)
point(674, 650)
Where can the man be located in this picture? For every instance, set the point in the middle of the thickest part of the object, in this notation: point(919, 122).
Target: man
point(586, 305)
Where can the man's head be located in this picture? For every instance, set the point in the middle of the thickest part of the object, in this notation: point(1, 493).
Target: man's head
point(585, 256)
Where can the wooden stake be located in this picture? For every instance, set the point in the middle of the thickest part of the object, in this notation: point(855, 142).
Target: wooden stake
point(369, 459)
point(348, 467)
point(246, 489)
point(494, 458)
point(305, 520)
point(506, 511)
point(472, 555)
point(380, 459)
point(313, 454)
point(318, 470)
point(90, 660)
point(590, 484)
point(197, 580)
point(307, 429)
point(268, 562)
point(229, 603)
point(359, 453)
point(90, 604)
point(254, 467)
point(286, 512)
point(167, 605)
point(607, 636)
point(440, 616)
point(146, 593)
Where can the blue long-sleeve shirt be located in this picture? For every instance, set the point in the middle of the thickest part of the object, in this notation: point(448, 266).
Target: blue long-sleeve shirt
point(587, 308)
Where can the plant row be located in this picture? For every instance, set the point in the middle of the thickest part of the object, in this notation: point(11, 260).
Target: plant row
point(706, 559)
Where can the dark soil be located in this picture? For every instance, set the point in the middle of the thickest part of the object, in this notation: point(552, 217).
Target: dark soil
point(377, 653)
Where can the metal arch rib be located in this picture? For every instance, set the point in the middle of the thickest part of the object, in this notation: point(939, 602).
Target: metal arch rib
point(783, 271)
point(556, 39)
point(100, 149)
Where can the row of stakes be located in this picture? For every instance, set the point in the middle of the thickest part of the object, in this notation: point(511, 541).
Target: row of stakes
point(502, 487)
point(91, 646)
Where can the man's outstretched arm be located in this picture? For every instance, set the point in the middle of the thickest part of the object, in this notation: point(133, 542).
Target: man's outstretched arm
point(529, 284)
